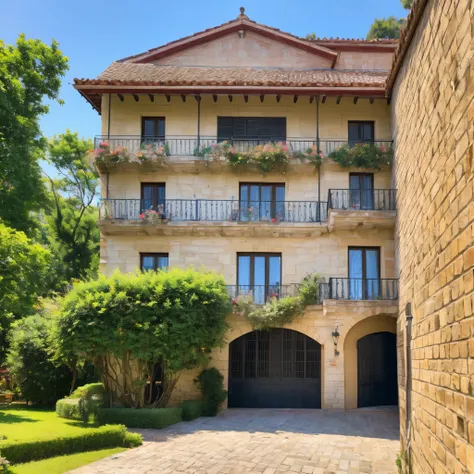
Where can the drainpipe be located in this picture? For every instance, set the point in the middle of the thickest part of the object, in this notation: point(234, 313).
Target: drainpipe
point(318, 150)
point(198, 98)
point(409, 323)
point(108, 141)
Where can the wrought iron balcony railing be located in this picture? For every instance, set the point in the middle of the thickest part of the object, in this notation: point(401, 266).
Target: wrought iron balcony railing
point(194, 146)
point(336, 289)
point(213, 210)
point(363, 199)
point(260, 294)
point(361, 289)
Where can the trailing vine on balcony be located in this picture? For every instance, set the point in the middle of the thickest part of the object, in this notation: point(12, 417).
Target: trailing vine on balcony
point(277, 312)
point(363, 155)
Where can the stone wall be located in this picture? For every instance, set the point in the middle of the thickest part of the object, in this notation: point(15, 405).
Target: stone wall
point(432, 117)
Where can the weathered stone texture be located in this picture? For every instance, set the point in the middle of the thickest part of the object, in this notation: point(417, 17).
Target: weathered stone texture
point(433, 117)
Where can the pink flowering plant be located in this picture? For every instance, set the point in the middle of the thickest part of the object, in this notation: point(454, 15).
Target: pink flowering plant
point(105, 154)
point(363, 155)
point(152, 152)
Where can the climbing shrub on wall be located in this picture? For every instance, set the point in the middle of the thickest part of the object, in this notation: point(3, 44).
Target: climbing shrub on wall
point(363, 155)
point(277, 312)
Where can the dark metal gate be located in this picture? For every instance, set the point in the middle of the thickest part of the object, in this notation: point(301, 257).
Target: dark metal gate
point(279, 368)
point(377, 370)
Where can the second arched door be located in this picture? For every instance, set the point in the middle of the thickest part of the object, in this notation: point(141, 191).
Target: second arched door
point(279, 368)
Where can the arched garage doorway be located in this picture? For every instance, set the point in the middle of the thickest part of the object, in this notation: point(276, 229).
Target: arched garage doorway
point(278, 368)
point(377, 370)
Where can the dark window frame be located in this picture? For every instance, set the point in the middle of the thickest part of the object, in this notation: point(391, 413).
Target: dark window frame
point(257, 138)
point(156, 128)
point(252, 256)
point(360, 123)
point(155, 256)
point(155, 200)
point(364, 262)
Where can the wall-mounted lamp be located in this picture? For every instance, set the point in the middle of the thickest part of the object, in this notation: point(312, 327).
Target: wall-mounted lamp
point(335, 338)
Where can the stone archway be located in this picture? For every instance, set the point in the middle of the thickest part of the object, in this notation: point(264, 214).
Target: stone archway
point(371, 325)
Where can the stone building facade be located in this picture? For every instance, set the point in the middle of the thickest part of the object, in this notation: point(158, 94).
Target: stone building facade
point(250, 84)
point(432, 92)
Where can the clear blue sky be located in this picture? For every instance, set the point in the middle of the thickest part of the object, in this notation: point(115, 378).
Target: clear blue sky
point(93, 33)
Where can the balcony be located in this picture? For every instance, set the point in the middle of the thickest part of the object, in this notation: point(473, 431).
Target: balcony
point(357, 289)
point(343, 289)
point(260, 294)
point(211, 217)
point(199, 151)
point(355, 208)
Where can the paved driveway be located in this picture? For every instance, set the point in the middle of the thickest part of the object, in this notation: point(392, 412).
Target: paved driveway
point(266, 441)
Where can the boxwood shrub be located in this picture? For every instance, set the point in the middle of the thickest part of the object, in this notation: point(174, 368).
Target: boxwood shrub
point(91, 440)
point(83, 402)
point(140, 417)
point(192, 409)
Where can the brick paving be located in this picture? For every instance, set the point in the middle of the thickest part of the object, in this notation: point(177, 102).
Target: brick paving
point(268, 442)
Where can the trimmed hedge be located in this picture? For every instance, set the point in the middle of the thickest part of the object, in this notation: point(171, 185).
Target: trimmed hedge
point(192, 409)
point(77, 408)
point(92, 440)
point(140, 417)
point(89, 391)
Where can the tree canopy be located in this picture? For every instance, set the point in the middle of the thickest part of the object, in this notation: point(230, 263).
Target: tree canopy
point(386, 28)
point(23, 269)
point(30, 71)
point(70, 230)
point(126, 323)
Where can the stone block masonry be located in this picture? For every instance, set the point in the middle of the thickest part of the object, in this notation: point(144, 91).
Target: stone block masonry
point(433, 125)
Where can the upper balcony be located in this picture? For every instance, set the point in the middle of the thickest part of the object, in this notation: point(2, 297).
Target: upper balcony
point(356, 208)
point(213, 217)
point(196, 152)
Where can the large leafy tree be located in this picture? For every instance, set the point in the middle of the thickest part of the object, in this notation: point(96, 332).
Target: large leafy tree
point(40, 379)
point(30, 72)
point(71, 231)
point(388, 27)
point(126, 323)
point(24, 266)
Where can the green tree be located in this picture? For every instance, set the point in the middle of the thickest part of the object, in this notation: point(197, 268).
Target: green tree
point(386, 28)
point(23, 269)
point(71, 230)
point(311, 36)
point(125, 324)
point(30, 72)
point(40, 379)
point(407, 4)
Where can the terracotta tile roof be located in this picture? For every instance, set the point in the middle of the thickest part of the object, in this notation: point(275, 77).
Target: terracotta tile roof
point(153, 75)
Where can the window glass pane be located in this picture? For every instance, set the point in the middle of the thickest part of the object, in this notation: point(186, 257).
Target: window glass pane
point(162, 262)
point(280, 193)
point(254, 203)
point(160, 128)
point(148, 127)
point(259, 290)
point(372, 263)
point(275, 270)
point(148, 263)
point(355, 263)
point(244, 270)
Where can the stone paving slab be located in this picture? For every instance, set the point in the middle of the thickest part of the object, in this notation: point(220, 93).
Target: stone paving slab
point(265, 441)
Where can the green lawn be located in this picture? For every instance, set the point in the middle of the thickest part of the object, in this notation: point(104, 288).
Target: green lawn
point(63, 463)
point(21, 424)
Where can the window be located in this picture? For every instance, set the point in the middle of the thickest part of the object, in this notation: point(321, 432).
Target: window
point(153, 197)
point(255, 129)
point(153, 261)
point(153, 129)
point(360, 132)
point(364, 273)
point(262, 201)
point(259, 274)
point(361, 187)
